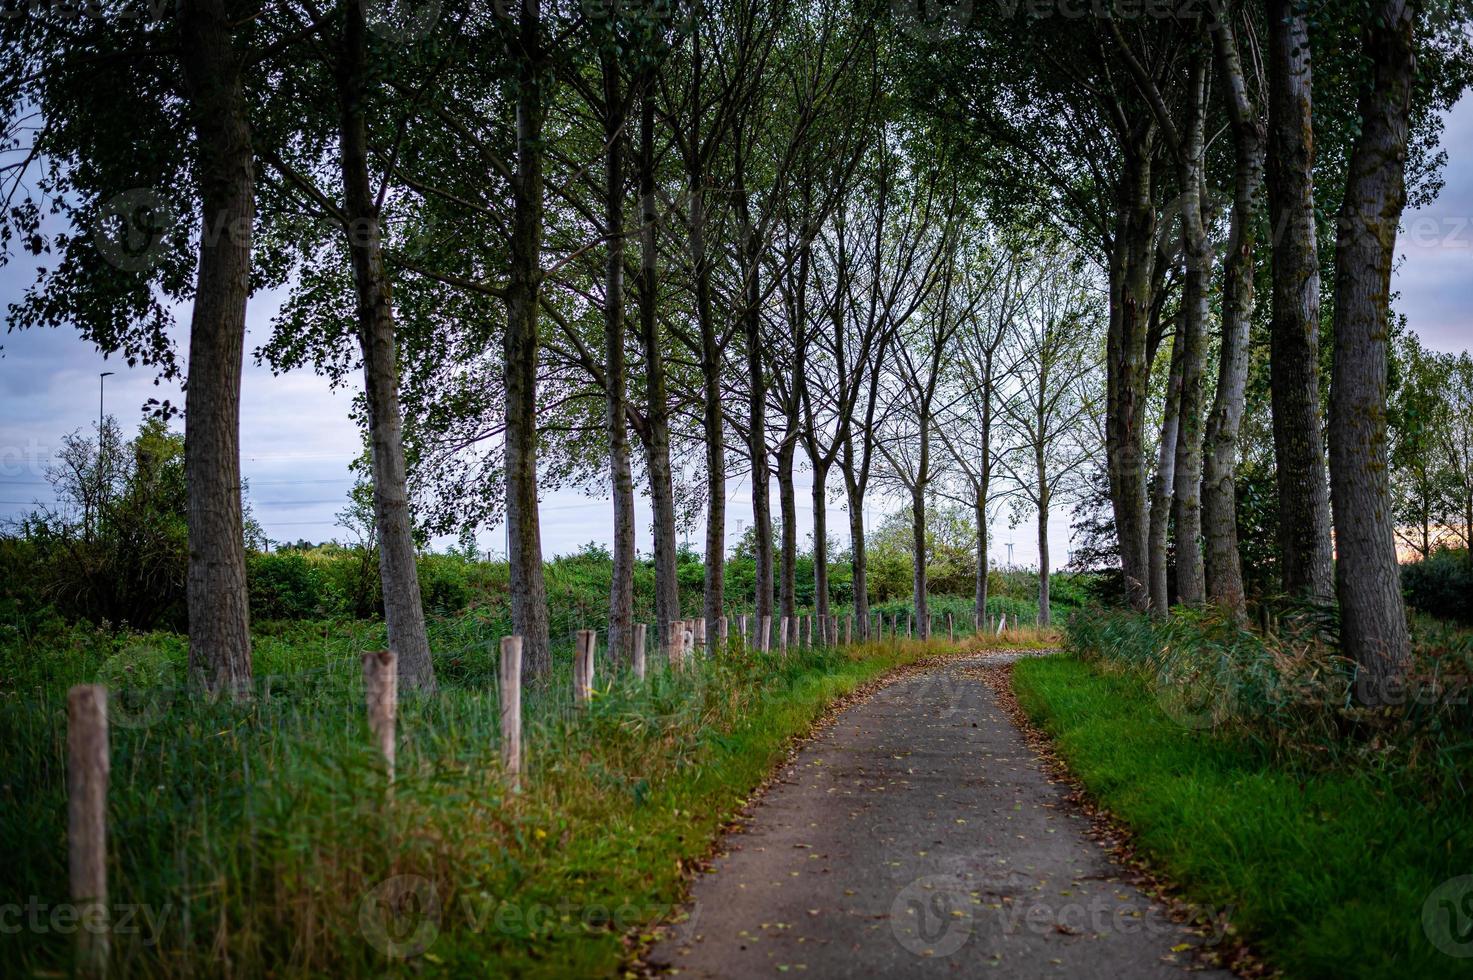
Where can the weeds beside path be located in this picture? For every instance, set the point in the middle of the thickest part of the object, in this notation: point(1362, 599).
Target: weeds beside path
point(1333, 873)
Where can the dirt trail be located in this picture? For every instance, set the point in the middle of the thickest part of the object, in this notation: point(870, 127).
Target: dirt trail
point(920, 836)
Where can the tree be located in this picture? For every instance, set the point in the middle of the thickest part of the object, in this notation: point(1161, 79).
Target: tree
point(1050, 357)
point(1304, 495)
point(1367, 581)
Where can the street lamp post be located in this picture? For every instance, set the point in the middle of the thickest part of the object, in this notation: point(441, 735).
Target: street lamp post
point(101, 381)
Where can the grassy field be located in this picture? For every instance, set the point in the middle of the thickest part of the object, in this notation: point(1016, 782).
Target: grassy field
point(1332, 871)
point(262, 836)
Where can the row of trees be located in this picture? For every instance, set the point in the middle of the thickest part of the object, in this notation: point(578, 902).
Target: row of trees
point(1110, 126)
point(801, 260)
point(735, 231)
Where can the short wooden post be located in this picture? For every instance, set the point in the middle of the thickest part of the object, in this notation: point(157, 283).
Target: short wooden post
point(381, 694)
point(907, 626)
point(764, 641)
point(782, 635)
point(583, 652)
point(675, 648)
point(700, 632)
point(721, 635)
point(951, 627)
point(849, 630)
point(1002, 623)
point(86, 790)
point(742, 628)
point(639, 635)
point(511, 705)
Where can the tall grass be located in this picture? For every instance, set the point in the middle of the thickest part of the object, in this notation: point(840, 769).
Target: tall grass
point(1289, 692)
point(260, 838)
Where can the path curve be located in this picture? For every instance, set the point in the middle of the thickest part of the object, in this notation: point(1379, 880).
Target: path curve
point(920, 836)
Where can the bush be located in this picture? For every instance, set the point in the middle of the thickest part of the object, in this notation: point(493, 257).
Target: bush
point(1288, 691)
point(288, 585)
point(1441, 585)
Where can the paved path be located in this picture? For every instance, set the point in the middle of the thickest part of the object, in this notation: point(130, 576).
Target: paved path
point(920, 836)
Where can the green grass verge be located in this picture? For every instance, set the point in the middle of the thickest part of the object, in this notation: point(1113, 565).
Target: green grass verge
point(257, 839)
point(1327, 873)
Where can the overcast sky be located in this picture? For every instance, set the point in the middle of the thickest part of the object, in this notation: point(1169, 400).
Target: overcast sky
point(297, 438)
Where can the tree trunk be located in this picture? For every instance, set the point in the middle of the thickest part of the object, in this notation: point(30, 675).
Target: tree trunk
point(787, 501)
point(858, 559)
point(1164, 483)
point(1043, 556)
point(1224, 569)
point(1373, 627)
point(1191, 586)
point(757, 433)
point(918, 547)
point(1299, 452)
point(979, 596)
point(712, 425)
point(524, 534)
point(821, 546)
point(219, 614)
point(398, 573)
point(1187, 503)
point(657, 415)
point(621, 476)
point(1128, 373)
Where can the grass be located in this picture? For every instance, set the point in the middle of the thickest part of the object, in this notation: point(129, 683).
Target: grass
point(1326, 870)
point(261, 838)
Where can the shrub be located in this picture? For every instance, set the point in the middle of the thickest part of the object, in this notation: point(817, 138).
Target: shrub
point(1441, 585)
point(1287, 690)
point(288, 585)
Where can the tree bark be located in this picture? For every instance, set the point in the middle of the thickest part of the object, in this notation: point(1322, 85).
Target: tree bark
point(979, 594)
point(1224, 569)
point(858, 557)
point(1128, 372)
point(1373, 628)
point(821, 546)
point(524, 535)
point(621, 476)
point(1043, 555)
point(1164, 483)
point(788, 503)
point(657, 415)
point(918, 547)
point(398, 572)
point(219, 614)
point(1299, 451)
point(1191, 586)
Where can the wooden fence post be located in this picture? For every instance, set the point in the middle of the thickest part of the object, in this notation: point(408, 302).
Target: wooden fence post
point(951, 627)
point(381, 694)
point(511, 706)
point(675, 649)
point(764, 642)
point(86, 789)
point(639, 635)
point(721, 634)
point(849, 629)
point(583, 651)
point(1002, 623)
point(700, 638)
point(907, 626)
point(782, 636)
